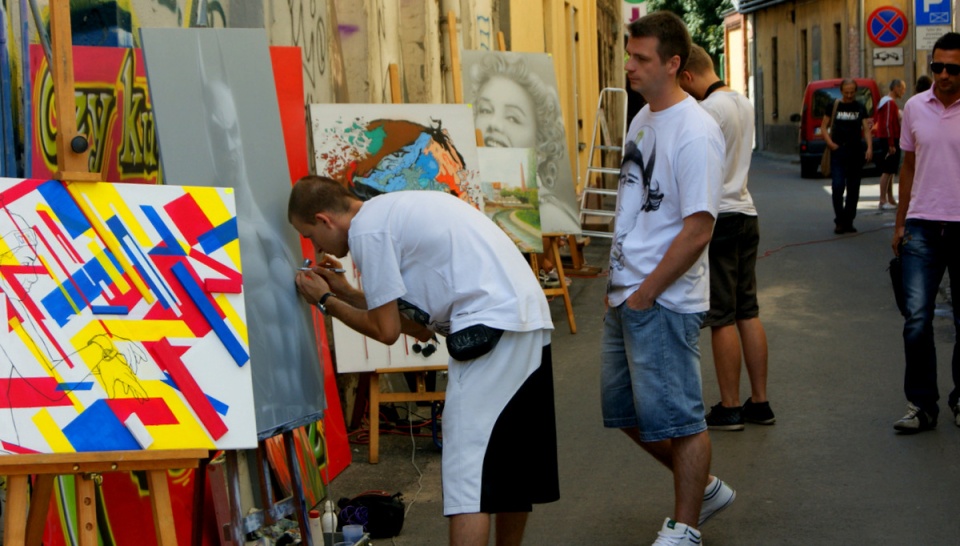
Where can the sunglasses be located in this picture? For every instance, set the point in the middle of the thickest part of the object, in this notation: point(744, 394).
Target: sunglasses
point(952, 69)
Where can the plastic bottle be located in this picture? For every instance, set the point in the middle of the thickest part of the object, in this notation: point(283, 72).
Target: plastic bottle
point(329, 520)
point(316, 533)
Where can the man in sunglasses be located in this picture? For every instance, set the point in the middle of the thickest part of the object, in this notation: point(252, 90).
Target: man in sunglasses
point(927, 233)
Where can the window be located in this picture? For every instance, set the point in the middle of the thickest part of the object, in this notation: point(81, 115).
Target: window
point(803, 59)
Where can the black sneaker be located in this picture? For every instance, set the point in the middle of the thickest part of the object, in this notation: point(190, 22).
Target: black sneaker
point(721, 418)
point(758, 413)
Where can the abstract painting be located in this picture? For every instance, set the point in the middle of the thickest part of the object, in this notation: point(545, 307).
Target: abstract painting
point(380, 148)
point(516, 105)
point(123, 319)
point(510, 194)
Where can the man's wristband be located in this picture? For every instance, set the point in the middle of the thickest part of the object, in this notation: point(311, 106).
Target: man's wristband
point(321, 303)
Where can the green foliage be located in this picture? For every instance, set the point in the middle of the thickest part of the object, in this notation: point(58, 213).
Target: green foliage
point(703, 20)
point(529, 216)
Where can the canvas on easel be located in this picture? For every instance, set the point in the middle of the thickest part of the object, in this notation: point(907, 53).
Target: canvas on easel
point(511, 194)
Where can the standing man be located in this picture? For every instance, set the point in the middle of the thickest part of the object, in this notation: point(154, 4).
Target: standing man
point(658, 288)
point(734, 313)
point(927, 233)
point(843, 135)
point(887, 126)
point(431, 263)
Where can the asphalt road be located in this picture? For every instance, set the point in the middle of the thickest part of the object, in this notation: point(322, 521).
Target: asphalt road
point(831, 471)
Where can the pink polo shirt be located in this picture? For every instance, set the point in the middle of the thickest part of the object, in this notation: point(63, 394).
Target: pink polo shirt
point(933, 133)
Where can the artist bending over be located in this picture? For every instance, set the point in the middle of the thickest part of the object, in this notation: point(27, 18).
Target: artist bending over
point(433, 264)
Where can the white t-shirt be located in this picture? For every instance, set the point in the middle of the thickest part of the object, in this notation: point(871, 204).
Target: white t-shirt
point(672, 168)
point(447, 263)
point(734, 113)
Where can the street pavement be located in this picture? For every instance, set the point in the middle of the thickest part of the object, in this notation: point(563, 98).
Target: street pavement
point(830, 471)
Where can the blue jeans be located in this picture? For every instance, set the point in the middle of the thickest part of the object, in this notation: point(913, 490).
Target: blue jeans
point(928, 249)
point(650, 372)
point(846, 168)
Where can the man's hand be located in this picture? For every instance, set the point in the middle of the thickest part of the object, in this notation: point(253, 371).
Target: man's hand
point(897, 238)
point(311, 286)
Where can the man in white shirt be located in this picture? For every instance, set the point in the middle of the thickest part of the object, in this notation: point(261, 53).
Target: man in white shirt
point(734, 313)
point(431, 263)
point(658, 288)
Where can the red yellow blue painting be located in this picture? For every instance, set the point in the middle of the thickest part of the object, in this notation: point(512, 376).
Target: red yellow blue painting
point(123, 323)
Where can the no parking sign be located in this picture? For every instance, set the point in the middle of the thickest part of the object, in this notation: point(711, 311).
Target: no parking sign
point(887, 26)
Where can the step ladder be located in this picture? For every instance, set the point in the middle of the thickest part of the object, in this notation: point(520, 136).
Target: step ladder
point(595, 193)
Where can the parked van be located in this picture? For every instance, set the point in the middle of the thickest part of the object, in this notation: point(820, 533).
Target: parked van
point(818, 102)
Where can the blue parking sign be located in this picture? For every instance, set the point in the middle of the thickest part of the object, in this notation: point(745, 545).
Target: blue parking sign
point(932, 12)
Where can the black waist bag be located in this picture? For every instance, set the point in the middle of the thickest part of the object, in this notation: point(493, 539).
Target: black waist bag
point(472, 342)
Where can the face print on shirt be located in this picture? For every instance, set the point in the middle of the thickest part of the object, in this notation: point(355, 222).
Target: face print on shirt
point(639, 191)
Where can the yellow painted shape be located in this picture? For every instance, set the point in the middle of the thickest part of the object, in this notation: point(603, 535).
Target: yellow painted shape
point(188, 433)
point(233, 317)
point(78, 191)
point(148, 330)
point(211, 199)
point(115, 274)
point(51, 432)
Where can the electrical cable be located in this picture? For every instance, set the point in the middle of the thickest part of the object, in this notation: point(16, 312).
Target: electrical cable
point(767, 253)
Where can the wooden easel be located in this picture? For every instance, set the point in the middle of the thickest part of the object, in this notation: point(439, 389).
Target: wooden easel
point(374, 396)
point(23, 525)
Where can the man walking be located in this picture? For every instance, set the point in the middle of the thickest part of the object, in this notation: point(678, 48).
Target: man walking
point(431, 263)
point(887, 126)
point(734, 312)
point(657, 292)
point(927, 233)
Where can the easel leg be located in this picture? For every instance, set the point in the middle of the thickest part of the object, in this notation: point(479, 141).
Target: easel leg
point(374, 454)
point(39, 505)
point(233, 492)
point(86, 509)
point(293, 463)
point(14, 527)
point(162, 511)
point(200, 487)
point(554, 252)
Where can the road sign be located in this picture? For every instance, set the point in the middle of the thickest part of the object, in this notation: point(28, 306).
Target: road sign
point(888, 56)
point(927, 35)
point(887, 26)
point(932, 12)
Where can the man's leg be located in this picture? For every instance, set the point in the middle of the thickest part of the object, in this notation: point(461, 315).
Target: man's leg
point(885, 185)
point(726, 359)
point(470, 529)
point(951, 244)
point(754, 339)
point(854, 172)
point(510, 527)
point(691, 468)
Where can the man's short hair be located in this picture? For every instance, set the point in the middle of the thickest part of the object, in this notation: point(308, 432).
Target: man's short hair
point(950, 40)
point(699, 62)
point(669, 30)
point(848, 81)
point(313, 194)
point(895, 83)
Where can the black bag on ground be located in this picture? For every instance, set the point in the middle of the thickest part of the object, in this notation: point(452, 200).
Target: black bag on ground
point(380, 513)
point(472, 342)
point(896, 278)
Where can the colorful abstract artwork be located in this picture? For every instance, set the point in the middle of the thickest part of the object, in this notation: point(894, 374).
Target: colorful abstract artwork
point(380, 148)
point(123, 319)
point(510, 194)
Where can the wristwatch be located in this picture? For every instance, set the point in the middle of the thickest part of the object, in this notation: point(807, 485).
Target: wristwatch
point(322, 302)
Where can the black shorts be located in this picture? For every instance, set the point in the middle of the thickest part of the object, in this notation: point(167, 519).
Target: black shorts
point(733, 263)
point(520, 466)
point(889, 164)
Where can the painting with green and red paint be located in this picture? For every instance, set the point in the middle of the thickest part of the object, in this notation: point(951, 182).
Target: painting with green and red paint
point(381, 148)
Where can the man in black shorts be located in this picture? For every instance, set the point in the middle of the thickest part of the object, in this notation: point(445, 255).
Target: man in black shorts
point(887, 126)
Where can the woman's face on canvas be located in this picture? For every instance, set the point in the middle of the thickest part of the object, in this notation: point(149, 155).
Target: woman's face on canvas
point(505, 114)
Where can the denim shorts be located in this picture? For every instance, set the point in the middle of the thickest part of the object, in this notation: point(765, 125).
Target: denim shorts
point(650, 372)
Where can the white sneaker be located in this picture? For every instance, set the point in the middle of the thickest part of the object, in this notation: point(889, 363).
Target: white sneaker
point(717, 496)
point(677, 534)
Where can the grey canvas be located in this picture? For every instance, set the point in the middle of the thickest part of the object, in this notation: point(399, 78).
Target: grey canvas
point(511, 93)
point(218, 124)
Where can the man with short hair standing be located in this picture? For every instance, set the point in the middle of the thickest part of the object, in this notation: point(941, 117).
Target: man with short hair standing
point(733, 319)
point(927, 233)
point(658, 289)
point(887, 126)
